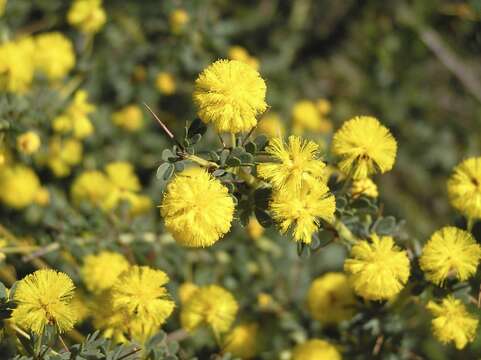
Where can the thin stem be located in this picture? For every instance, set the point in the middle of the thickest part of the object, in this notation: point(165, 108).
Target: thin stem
point(344, 232)
point(165, 128)
point(202, 162)
point(470, 224)
point(233, 140)
point(63, 343)
point(136, 350)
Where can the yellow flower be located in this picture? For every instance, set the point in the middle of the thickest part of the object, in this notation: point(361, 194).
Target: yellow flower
point(230, 94)
point(453, 322)
point(306, 116)
point(464, 188)
point(100, 271)
point(63, 154)
point(113, 324)
point(241, 341)
point(87, 15)
point(20, 186)
point(197, 208)
point(315, 350)
point(80, 307)
point(365, 187)
point(42, 197)
point(301, 210)
point(3, 4)
point(186, 290)
point(75, 118)
point(54, 55)
point(451, 252)
point(165, 83)
point(139, 204)
point(264, 301)
point(378, 269)
point(323, 106)
point(254, 229)
point(271, 125)
point(129, 118)
point(28, 142)
point(92, 186)
point(331, 299)
point(294, 164)
point(241, 54)
point(122, 175)
point(364, 147)
point(210, 305)
point(177, 20)
point(16, 65)
point(43, 298)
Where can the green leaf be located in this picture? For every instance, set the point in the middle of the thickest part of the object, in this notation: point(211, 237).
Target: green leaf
point(261, 142)
point(169, 172)
point(179, 166)
point(233, 161)
point(384, 226)
point(168, 155)
point(251, 147)
point(162, 169)
point(246, 158)
point(214, 156)
point(3, 291)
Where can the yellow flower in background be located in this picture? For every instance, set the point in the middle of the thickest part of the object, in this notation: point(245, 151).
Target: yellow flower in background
point(87, 15)
point(94, 187)
point(254, 229)
point(241, 54)
point(301, 210)
point(450, 252)
point(80, 307)
point(17, 65)
point(122, 175)
point(271, 125)
point(138, 204)
point(294, 164)
point(323, 106)
point(19, 186)
point(452, 322)
point(306, 116)
point(315, 350)
point(101, 271)
point(129, 118)
point(378, 269)
point(3, 4)
point(54, 55)
point(241, 341)
point(197, 208)
point(464, 188)
point(365, 187)
point(112, 324)
point(212, 306)
point(186, 290)
point(230, 94)
point(265, 301)
point(28, 143)
point(364, 147)
point(177, 20)
point(75, 119)
point(331, 299)
point(165, 83)
point(43, 298)
point(63, 154)
point(42, 197)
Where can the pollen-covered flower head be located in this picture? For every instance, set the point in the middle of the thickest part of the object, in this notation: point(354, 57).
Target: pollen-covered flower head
point(315, 349)
point(197, 208)
point(294, 163)
point(450, 252)
point(378, 269)
point(212, 306)
point(28, 142)
point(301, 210)
point(241, 341)
point(365, 187)
point(54, 55)
point(331, 298)
point(43, 298)
point(364, 147)
point(20, 186)
point(452, 322)
point(94, 187)
point(122, 175)
point(101, 271)
point(230, 94)
point(464, 188)
point(87, 15)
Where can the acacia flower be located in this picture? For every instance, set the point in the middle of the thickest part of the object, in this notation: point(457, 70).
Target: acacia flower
point(63, 154)
point(54, 54)
point(20, 186)
point(450, 252)
point(271, 125)
point(177, 20)
point(129, 118)
point(365, 187)
point(241, 341)
point(364, 147)
point(87, 15)
point(17, 65)
point(464, 188)
point(314, 350)
point(306, 116)
point(101, 271)
point(43, 298)
point(230, 94)
point(165, 83)
point(197, 208)
point(378, 269)
point(452, 322)
point(28, 142)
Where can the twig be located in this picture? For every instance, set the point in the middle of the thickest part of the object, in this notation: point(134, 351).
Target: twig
point(165, 128)
point(136, 350)
point(63, 343)
point(41, 252)
point(178, 335)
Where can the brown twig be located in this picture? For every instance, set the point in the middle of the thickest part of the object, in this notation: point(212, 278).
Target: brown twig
point(165, 128)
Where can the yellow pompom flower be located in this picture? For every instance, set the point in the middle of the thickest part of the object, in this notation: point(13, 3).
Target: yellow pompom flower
point(271, 125)
point(139, 204)
point(452, 322)
point(331, 299)
point(165, 83)
point(87, 15)
point(101, 271)
point(122, 175)
point(19, 186)
point(75, 119)
point(365, 187)
point(54, 55)
point(16, 65)
point(63, 154)
point(129, 118)
point(177, 20)
point(241, 341)
point(450, 252)
point(28, 143)
point(306, 116)
point(364, 147)
point(378, 269)
point(212, 306)
point(241, 54)
point(301, 210)
point(464, 188)
point(230, 94)
point(197, 208)
point(294, 164)
point(43, 298)
point(92, 186)
point(186, 290)
point(112, 324)
point(315, 350)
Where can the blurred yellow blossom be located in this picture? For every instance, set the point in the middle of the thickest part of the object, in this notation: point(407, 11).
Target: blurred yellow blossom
point(271, 125)
point(3, 4)
point(54, 54)
point(241, 54)
point(315, 350)
point(17, 65)
point(165, 83)
point(177, 20)
point(129, 118)
point(241, 341)
point(306, 116)
point(92, 186)
point(254, 229)
point(101, 271)
point(19, 186)
point(63, 154)
point(186, 290)
point(365, 187)
point(323, 106)
point(28, 142)
point(87, 15)
point(75, 119)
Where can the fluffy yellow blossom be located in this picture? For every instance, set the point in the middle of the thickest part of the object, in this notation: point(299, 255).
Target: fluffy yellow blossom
point(364, 147)
point(452, 322)
point(75, 119)
point(294, 164)
point(129, 118)
point(43, 298)
point(365, 187)
point(113, 324)
point(241, 341)
point(378, 269)
point(210, 305)
point(122, 175)
point(450, 252)
point(165, 83)
point(54, 55)
point(301, 210)
point(19, 186)
point(16, 65)
point(87, 15)
point(101, 271)
point(271, 125)
point(92, 186)
point(323, 106)
point(306, 116)
point(28, 142)
point(177, 20)
point(315, 350)
point(331, 299)
point(241, 54)
point(464, 188)
point(186, 290)
point(254, 229)
point(197, 208)
point(63, 154)
point(230, 94)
